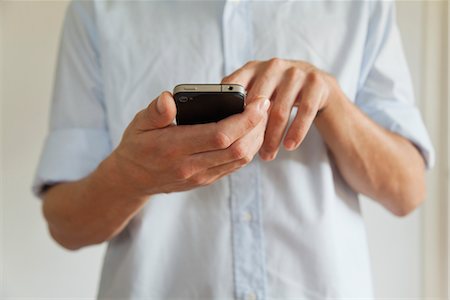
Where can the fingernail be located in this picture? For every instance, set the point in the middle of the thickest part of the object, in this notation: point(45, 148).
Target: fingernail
point(290, 145)
point(264, 105)
point(160, 105)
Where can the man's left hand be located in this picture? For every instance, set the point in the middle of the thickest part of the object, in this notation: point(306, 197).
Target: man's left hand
point(287, 83)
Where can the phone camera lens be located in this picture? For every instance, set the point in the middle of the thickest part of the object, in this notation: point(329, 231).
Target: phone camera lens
point(183, 99)
point(230, 88)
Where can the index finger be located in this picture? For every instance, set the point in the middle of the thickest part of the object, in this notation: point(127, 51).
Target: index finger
point(242, 76)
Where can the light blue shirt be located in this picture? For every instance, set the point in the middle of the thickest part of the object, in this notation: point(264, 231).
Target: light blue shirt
point(286, 229)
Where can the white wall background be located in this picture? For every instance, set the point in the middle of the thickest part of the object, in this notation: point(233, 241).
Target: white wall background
point(33, 266)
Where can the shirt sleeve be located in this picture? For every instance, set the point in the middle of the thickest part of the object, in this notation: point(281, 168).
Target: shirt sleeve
point(78, 137)
point(385, 91)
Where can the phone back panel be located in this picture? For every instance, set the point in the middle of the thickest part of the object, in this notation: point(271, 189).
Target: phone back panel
point(206, 107)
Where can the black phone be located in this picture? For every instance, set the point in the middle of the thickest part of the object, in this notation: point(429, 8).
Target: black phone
point(205, 103)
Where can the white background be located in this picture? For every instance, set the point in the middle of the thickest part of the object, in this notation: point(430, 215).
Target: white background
point(33, 266)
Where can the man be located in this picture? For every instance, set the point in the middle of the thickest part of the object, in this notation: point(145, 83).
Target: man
point(192, 212)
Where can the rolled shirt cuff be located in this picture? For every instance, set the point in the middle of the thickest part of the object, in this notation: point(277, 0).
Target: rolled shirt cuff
point(69, 155)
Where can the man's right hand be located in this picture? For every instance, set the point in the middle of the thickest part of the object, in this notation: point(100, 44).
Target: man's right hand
point(155, 156)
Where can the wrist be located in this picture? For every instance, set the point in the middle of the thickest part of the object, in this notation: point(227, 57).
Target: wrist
point(116, 175)
point(334, 107)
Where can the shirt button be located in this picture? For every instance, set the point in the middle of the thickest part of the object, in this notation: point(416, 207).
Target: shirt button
point(251, 296)
point(246, 216)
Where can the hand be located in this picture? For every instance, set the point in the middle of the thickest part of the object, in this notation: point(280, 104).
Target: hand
point(287, 83)
point(155, 156)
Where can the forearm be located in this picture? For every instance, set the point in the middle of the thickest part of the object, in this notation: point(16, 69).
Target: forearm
point(374, 161)
point(93, 209)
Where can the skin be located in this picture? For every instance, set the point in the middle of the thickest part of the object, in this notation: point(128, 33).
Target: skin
point(374, 161)
point(156, 157)
point(153, 157)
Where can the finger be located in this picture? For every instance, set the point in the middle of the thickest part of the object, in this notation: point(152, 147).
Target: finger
point(242, 76)
point(288, 91)
point(159, 113)
point(266, 80)
point(213, 174)
point(226, 169)
point(308, 106)
point(201, 175)
point(207, 177)
point(243, 149)
point(220, 135)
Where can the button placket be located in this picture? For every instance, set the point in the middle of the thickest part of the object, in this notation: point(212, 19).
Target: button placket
point(246, 226)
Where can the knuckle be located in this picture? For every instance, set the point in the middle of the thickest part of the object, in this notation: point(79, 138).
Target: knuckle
point(197, 180)
point(295, 73)
point(275, 62)
point(246, 159)
point(208, 181)
point(308, 108)
point(183, 172)
point(279, 114)
point(315, 77)
point(238, 151)
point(221, 140)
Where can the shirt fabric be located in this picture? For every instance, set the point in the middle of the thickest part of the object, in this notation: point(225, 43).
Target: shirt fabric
point(286, 229)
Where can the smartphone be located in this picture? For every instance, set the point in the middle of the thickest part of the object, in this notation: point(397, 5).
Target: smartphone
point(205, 103)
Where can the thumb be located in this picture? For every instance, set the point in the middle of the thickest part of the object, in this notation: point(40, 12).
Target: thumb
point(160, 113)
